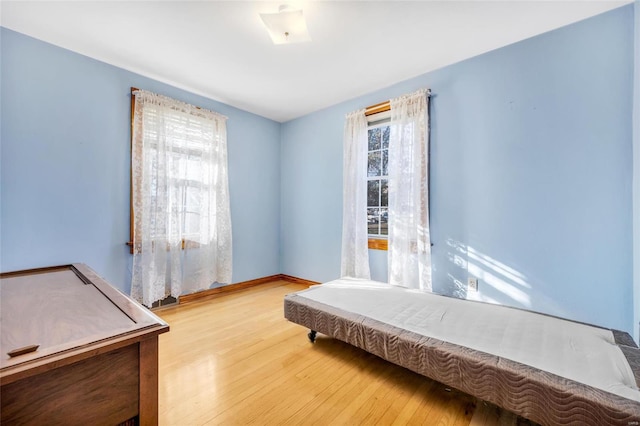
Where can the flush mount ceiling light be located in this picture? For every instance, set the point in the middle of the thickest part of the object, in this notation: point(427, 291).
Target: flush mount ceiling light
point(286, 26)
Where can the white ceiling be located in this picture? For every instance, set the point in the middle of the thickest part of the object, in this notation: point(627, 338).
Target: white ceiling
point(221, 49)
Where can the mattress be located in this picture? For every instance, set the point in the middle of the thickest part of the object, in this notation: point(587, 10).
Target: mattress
point(547, 369)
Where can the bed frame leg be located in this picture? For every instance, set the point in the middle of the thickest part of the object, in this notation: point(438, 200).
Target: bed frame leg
point(312, 336)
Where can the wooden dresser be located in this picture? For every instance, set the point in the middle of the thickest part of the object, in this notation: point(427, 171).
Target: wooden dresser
point(97, 357)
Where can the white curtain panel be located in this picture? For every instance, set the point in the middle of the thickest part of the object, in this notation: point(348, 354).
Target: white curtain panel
point(355, 249)
point(409, 251)
point(636, 175)
point(182, 221)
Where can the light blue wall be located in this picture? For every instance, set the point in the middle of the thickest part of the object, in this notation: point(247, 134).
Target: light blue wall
point(65, 163)
point(531, 170)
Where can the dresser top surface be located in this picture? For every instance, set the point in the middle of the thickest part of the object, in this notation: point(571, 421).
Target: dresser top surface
point(61, 309)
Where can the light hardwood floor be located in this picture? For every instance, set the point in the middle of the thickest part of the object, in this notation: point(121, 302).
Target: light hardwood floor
point(235, 360)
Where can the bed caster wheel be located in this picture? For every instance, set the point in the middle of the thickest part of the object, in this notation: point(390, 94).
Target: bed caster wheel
point(312, 336)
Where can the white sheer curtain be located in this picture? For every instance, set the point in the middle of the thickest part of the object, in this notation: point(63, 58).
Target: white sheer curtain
point(409, 251)
point(180, 199)
point(636, 175)
point(355, 250)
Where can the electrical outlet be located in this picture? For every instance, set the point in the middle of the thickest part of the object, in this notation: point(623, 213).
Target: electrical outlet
point(472, 284)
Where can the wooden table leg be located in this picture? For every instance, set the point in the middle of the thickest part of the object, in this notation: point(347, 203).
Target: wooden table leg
point(148, 414)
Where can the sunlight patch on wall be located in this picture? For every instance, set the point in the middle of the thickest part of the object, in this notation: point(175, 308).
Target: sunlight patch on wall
point(499, 283)
point(491, 272)
point(490, 263)
point(504, 287)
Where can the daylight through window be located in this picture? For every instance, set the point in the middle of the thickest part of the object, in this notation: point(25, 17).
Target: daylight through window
point(377, 181)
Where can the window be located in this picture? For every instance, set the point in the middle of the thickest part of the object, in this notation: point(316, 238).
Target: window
point(187, 179)
point(178, 160)
point(386, 188)
point(377, 179)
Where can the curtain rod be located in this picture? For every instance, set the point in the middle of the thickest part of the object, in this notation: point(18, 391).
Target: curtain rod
point(384, 106)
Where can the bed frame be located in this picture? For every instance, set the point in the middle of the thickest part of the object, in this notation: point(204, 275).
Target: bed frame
point(537, 395)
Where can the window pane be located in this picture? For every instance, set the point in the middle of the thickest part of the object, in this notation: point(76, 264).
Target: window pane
point(384, 193)
point(192, 225)
point(384, 222)
point(373, 169)
point(385, 162)
point(374, 139)
point(373, 219)
point(373, 193)
point(195, 169)
point(385, 137)
point(192, 202)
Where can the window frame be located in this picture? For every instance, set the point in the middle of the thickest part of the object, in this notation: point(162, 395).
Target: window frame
point(375, 114)
point(131, 230)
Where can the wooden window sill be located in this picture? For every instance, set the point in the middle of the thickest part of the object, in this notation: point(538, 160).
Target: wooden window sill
point(378, 244)
point(186, 244)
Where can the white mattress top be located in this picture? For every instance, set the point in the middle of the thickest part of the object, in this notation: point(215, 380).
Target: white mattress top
point(579, 352)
